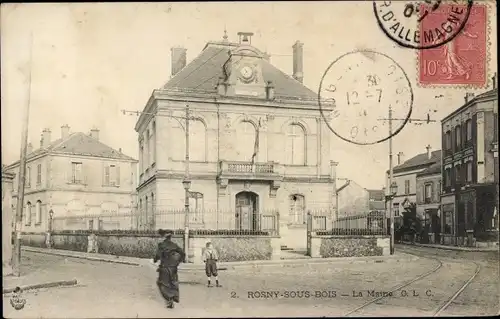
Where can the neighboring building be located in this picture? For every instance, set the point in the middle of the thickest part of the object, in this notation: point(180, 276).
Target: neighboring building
point(257, 142)
point(469, 191)
point(7, 221)
point(376, 200)
point(353, 199)
point(405, 177)
point(429, 199)
point(75, 175)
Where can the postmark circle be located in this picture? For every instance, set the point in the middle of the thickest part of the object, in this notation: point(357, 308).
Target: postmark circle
point(422, 24)
point(357, 92)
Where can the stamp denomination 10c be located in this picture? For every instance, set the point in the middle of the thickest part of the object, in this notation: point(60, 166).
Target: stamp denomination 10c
point(462, 61)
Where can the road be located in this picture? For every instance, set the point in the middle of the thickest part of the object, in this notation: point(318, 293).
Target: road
point(336, 289)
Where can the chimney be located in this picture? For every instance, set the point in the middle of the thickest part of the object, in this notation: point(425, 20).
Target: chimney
point(64, 131)
point(495, 80)
point(44, 143)
point(178, 59)
point(94, 133)
point(468, 96)
point(270, 90)
point(120, 150)
point(400, 158)
point(29, 148)
point(298, 53)
point(429, 153)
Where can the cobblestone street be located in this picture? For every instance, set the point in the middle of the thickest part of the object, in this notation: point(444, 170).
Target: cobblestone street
point(114, 290)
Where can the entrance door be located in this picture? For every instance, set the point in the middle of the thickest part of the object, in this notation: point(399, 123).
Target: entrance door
point(246, 211)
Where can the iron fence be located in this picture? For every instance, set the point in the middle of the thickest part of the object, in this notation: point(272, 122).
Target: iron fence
point(230, 222)
point(372, 223)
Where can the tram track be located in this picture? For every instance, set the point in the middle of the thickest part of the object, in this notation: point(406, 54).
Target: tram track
point(442, 307)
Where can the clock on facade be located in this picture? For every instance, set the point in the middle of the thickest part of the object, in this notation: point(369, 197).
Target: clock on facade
point(247, 73)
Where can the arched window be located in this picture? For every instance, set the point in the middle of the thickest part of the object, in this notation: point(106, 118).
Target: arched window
point(146, 217)
point(153, 143)
point(148, 149)
point(153, 204)
point(196, 206)
point(27, 214)
point(38, 212)
point(295, 145)
point(244, 144)
point(197, 141)
point(297, 209)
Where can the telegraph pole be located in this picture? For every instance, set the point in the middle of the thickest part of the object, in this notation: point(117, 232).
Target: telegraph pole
point(391, 168)
point(391, 211)
point(16, 261)
point(186, 182)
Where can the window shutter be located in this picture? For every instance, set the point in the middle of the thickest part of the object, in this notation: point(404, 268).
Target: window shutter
point(84, 169)
point(117, 167)
point(103, 174)
point(69, 173)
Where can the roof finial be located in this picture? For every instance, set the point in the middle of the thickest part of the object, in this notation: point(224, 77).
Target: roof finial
point(225, 34)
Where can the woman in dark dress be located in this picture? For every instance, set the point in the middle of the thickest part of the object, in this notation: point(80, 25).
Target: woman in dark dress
point(170, 256)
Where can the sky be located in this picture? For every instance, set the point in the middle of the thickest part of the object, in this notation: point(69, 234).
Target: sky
point(91, 60)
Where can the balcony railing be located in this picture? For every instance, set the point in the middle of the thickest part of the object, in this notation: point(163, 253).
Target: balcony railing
point(248, 168)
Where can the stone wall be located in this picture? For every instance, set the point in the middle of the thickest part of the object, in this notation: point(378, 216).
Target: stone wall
point(349, 246)
point(34, 240)
point(230, 247)
point(140, 246)
point(76, 242)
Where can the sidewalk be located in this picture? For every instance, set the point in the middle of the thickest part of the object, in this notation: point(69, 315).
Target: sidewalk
point(451, 247)
point(398, 257)
point(36, 276)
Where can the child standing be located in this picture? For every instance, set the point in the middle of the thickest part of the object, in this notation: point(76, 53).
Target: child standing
point(210, 258)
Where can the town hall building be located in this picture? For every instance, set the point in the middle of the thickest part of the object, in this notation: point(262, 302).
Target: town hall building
point(257, 144)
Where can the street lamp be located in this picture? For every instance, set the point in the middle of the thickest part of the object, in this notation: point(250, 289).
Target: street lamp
point(394, 189)
point(51, 216)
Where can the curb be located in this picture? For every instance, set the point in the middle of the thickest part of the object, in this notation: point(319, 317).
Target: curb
point(43, 285)
point(48, 252)
point(290, 263)
point(451, 247)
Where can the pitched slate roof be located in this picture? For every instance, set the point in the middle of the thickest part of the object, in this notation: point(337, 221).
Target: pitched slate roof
point(204, 71)
point(79, 144)
point(432, 170)
point(419, 161)
point(82, 144)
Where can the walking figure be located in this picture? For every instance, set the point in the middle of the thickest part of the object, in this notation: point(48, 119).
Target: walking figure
point(210, 257)
point(170, 256)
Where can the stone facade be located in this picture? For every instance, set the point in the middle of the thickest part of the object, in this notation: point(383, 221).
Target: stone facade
point(469, 192)
point(244, 149)
point(353, 200)
point(69, 183)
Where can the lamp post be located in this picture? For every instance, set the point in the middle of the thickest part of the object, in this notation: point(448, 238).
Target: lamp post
point(187, 185)
point(51, 220)
point(393, 191)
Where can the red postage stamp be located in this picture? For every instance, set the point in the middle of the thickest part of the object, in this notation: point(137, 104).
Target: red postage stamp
point(461, 61)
